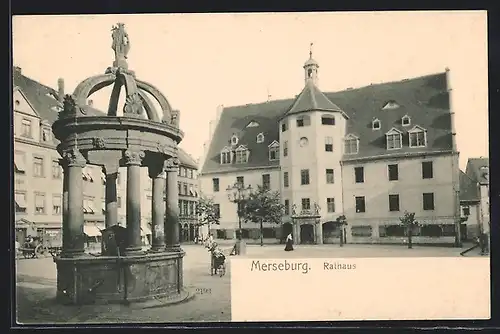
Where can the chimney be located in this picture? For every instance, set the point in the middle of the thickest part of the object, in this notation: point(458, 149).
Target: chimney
point(90, 102)
point(18, 69)
point(60, 88)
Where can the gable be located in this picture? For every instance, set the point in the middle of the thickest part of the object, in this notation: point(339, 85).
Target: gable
point(22, 105)
point(393, 131)
point(274, 144)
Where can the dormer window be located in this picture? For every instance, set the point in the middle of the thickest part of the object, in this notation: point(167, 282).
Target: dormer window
point(274, 151)
point(394, 139)
point(242, 154)
point(225, 156)
point(485, 172)
point(390, 105)
point(405, 120)
point(328, 120)
point(234, 140)
point(351, 144)
point(376, 124)
point(303, 121)
point(418, 137)
point(252, 124)
point(260, 138)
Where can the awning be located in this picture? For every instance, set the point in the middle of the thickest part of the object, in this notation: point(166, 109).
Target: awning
point(145, 230)
point(20, 201)
point(90, 206)
point(20, 165)
point(91, 230)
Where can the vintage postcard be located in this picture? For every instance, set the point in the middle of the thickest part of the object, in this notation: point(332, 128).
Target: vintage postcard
point(251, 167)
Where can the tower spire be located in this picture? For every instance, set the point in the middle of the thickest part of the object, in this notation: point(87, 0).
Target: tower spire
point(311, 51)
point(311, 68)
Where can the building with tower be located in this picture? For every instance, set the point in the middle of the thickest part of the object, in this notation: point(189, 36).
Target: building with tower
point(368, 154)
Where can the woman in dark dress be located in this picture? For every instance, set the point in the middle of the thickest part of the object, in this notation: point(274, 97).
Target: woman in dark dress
point(289, 243)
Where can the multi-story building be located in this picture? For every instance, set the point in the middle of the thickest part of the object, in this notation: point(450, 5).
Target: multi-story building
point(369, 153)
point(38, 176)
point(475, 197)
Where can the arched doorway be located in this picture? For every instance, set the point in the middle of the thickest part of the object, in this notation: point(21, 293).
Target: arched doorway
point(286, 229)
point(307, 234)
point(192, 232)
point(331, 232)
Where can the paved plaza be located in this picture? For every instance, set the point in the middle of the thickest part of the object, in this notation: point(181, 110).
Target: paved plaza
point(36, 285)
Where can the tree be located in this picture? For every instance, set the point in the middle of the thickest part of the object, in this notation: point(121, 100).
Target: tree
point(263, 205)
point(207, 212)
point(409, 222)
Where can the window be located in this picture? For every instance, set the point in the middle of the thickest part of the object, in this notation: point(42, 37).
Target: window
point(285, 148)
point(38, 166)
point(284, 126)
point(405, 120)
point(330, 204)
point(329, 176)
point(418, 137)
point(119, 202)
point(466, 211)
point(427, 170)
point(46, 134)
point(56, 204)
point(393, 202)
point(88, 206)
point(56, 169)
point(328, 120)
point(26, 128)
point(361, 231)
point(428, 201)
point(217, 210)
point(287, 207)
point(274, 151)
point(150, 183)
point(431, 230)
point(185, 188)
point(351, 145)
point(241, 155)
point(286, 181)
point(185, 208)
point(20, 162)
point(360, 204)
point(393, 172)
point(179, 188)
point(266, 181)
point(240, 181)
point(303, 121)
point(304, 176)
point(260, 138)
point(328, 144)
point(20, 199)
point(39, 203)
point(190, 173)
point(359, 174)
point(215, 184)
point(393, 139)
point(376, 124)
point(306, 204)
point(225, 156)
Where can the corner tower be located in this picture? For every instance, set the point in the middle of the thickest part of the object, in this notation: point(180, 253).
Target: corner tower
point(311, 139)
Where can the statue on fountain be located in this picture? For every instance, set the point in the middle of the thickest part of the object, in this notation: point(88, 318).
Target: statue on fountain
point(121, 45)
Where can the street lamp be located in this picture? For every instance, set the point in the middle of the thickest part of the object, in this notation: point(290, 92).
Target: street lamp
point(238, 194)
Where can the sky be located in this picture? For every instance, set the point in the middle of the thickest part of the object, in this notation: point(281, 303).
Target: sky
point(201, 61)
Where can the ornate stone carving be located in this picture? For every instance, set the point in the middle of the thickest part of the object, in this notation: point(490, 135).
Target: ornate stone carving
point(71, 108)
point(121, 42)
point(73, 157)
point(175, 118)
point(162, 148)
point(172, 164)
point(133, 104)
point(134, 157)
point(99, 143)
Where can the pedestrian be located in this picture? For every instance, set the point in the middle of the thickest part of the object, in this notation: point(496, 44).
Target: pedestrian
point(289, 243)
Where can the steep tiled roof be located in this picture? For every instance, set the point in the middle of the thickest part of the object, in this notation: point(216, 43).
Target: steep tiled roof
point(311, 98)
point(424, 99)
point(473, 169)
point(468, 188)
point(44, 99)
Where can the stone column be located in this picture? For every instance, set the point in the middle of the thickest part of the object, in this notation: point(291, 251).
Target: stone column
point(111, 200)
point(133, 160)
point(296, 231)
point(158, 175)
point(319, 232)
point(73, 243)
point(172, 206)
